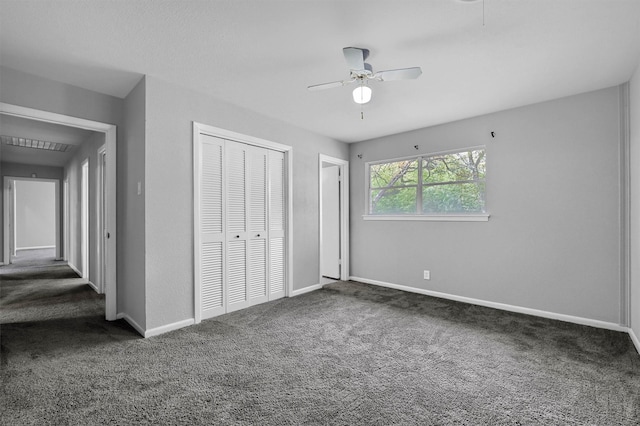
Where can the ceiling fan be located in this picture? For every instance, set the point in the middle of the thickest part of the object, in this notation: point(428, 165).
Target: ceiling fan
point(361, 72)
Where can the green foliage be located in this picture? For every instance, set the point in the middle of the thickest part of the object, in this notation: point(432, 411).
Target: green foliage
point(395, 201)
point(400, 173)
point(460, 166)
point(451, 183)
point(454, 198)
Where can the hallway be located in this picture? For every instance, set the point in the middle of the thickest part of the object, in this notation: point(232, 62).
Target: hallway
point(36, 287)
point(34, 257)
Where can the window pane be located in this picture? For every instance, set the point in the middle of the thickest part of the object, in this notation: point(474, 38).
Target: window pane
point(399, 173)
point(393, 201)
point(459, 166)
point(454, 198)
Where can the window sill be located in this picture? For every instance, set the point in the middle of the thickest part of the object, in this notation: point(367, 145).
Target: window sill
point(482, 217)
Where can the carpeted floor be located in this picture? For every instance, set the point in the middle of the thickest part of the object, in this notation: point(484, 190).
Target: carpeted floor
point(347, 354)
point(32, 258)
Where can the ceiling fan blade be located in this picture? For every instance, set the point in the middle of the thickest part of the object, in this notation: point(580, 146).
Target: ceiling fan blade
point(355, 57)
point(329, 85)
point(399, 74)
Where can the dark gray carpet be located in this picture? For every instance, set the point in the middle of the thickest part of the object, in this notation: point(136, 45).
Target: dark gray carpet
point(32, 258)
point(348, 354)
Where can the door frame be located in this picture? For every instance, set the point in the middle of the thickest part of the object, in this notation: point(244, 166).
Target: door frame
point(101, 204)
point(65, 219)
point(343, 167)
point(199, 128)
point(10, 218)
point(85, 221)
point(110, 131)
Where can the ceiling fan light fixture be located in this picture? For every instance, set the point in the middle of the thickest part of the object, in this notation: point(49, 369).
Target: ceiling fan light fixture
point(362, 94)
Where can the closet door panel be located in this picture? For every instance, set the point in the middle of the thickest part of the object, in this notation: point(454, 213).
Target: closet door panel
point(276, 268)
point(236, 215)
point(277, 200)
point(277, 224)
point(257, 235)
point(237, 275)
point(212, 282)
point(211, 238)
point(258, 271)
point(236, 188)
point(257, 169)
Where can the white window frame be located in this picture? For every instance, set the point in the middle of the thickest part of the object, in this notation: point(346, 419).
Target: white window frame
point(444, 217)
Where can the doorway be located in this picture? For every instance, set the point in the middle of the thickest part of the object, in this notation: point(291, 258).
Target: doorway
point(334, 218)
point(65, 217)
point(31, 218)
point(101, 210)
point(84, 219)
point(109, 131)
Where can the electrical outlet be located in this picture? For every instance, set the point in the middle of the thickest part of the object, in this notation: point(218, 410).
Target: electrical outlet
point(427, 275)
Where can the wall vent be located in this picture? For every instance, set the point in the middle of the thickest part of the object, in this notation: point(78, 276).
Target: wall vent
point(35, 144)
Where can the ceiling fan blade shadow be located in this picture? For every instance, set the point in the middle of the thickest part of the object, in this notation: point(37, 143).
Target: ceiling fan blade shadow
point(399, 74)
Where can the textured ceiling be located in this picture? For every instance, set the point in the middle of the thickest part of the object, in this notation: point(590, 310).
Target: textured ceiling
point(262, 55)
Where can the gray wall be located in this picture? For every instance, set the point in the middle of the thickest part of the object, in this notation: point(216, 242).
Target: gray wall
point(634, 100)
point(73, 172)
point(169, 192)
point(27, 170)
point(35, 214)
point(131, 232)
point(553, 239)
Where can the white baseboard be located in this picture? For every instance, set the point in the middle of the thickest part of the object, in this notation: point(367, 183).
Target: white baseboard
point(131, 322)
point(496, 305)
point(169, 327)
point(35, 248)
point(76, 270)
point(300, 291)
point(635, 340)
point(93, 286)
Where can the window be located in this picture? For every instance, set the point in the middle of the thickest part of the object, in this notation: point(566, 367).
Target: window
point(444, 184)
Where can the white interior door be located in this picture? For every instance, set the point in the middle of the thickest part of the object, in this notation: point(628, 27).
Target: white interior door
point(12, 222)
point(237, 218)
point(331, 222)
point(65, 220)
point(101, 208)
point(256, 173)
point(210, 239)
point(246, 183)
point(84, 219)
point(277, 225)
point(9, 218)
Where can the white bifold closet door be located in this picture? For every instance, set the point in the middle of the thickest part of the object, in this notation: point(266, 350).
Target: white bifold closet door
point(211, 250)
point(243, 207)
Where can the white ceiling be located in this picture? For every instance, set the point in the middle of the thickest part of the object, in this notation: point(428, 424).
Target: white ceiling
point(42, 131)
point(262, 55)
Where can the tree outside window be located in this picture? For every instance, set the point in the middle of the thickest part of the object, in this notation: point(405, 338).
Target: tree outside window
point(447, 183)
